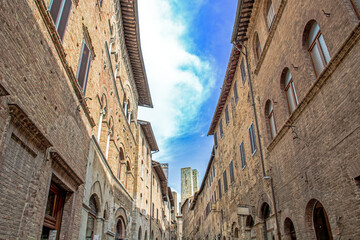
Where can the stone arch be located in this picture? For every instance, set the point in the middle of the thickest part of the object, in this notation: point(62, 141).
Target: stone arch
point(305, 36)
point(289, 230)
point(317, 221)
point(96, 189)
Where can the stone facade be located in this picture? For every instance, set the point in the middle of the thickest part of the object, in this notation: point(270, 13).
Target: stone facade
point(189, 182)
point(298, 178)
point(75, 162)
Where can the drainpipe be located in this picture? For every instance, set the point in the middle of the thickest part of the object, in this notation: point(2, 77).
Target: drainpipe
point(258, 134)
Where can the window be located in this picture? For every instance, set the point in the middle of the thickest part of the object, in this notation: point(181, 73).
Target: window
point(90, 227)
point(221, 129)
point(231, 167)
point(53, 212)
point(227, 115)
point(243, 73)
point(215, 139)
point(84, 64)
point(236, 95)
point(356, 5)
point(252, 138)
point(317, 49)
point(225, 181)
point(289, 89)
point(257, 46)
point(270, 118)
point(59, 12)
point(242, 155)
point(219, 184)
point(270, 14)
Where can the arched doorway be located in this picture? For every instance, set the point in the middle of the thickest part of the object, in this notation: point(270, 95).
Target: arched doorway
point(268, 228)
point(289, 230)
point(321, 223)
point(120, 229)
point(250, 230)
point(92, 216)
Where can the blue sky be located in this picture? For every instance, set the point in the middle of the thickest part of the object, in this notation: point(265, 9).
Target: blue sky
point(186, 48)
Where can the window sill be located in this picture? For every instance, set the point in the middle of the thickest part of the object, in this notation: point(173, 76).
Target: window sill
point(62, 55)
point(271, 35)
point(317, 85)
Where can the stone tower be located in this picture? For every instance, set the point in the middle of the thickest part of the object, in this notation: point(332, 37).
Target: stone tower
point(189, 182)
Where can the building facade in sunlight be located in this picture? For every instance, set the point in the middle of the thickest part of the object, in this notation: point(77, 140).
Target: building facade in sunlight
point(285, 162)
point(75, 162)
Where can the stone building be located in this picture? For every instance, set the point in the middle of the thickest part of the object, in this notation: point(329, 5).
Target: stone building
point(189, 182)
point(73, 155)
point(286, 127)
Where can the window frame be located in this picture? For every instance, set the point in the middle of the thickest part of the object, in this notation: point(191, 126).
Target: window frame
point(290, 86)
point(252, 139)
point(271, 118)
point(219, 186)
point(243, 72)
point(87, 69)
point(231, 170)
point(319, 47)
point(225, 181)
point(60, 16)
point(236, 94)
point(227, 119)
point(221, 129)
point(242, 155)
point(270, 7)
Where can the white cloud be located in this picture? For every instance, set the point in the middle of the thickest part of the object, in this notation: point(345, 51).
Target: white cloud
point(180, 82)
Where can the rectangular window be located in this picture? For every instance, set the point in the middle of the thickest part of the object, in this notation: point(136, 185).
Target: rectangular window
point(84, 64)
point(59, 12)
point(227, 115)
point(221, 129)
point(231, 167)
point(270, 15)
point(242, 155)
point(53, 212)
point(219, 184)
point(243, 72)
point(236, 95)
point(252, 138)
point(225, 181)
point(215, 139)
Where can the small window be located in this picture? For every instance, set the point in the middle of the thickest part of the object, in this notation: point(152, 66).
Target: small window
point(227, 115)
point(231, 167)
point(270, 118)
point(257, 46)
point(243, 72)
point(215, 139)
point(242, 155)
point(92, 216)
point(356, 5)
point(270, 14)
point(289, 89)
point(59, 12)
point(84, 65)
point(221, 129)
point(252, 138)
point(225, 181)
point(219, 184)
point(317, 49)
point(236, 95)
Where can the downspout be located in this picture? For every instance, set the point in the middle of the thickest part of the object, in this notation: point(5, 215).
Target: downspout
point(258, 134)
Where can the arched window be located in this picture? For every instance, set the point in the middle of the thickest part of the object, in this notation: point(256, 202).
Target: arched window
point(120, 229)
point(91, 221)
point(317, 49)
point(270, 13)
point(289, 230)
point(250, 227)
point(268, 222)
point(269, 110)
point(257, 46)
point(288, 87)
point(139, 234)
point(121, 159)
point(236, 233)
point(321, 222)
point(145, 236)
